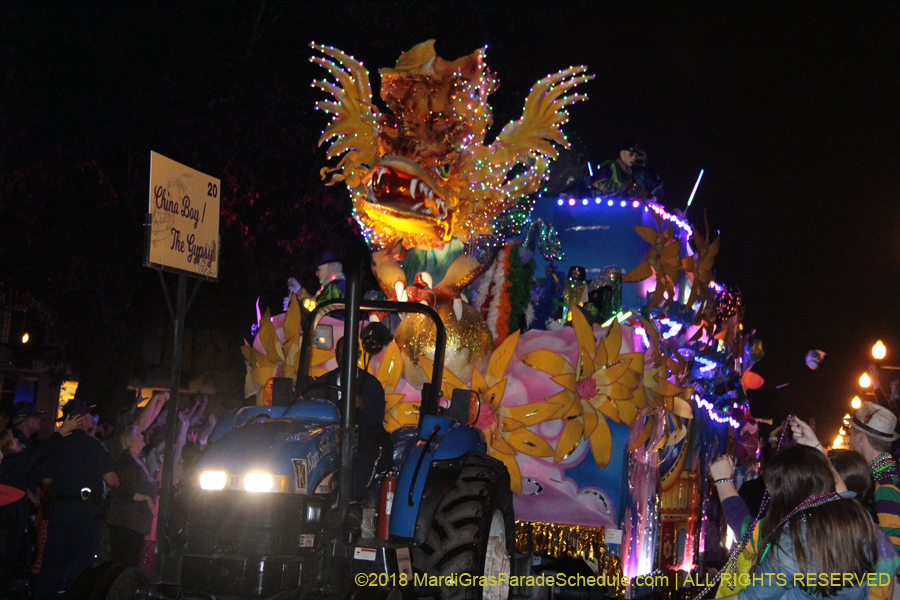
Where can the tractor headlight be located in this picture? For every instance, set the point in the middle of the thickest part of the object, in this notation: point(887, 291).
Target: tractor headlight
point(258, 482)
point(212, 480)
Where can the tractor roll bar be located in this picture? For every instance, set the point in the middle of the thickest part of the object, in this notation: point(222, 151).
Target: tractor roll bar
point(429, 403)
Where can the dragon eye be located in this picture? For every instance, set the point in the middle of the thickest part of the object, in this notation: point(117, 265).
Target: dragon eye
point(442, 170)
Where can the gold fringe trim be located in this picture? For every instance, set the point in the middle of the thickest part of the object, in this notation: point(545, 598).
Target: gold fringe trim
point(570, 541)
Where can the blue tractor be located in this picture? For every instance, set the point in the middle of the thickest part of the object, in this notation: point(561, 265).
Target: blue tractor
point(273, 514)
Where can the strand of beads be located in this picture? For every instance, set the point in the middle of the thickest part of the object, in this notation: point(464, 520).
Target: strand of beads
point(731, 565)
point(808, 504)
point(882, 465)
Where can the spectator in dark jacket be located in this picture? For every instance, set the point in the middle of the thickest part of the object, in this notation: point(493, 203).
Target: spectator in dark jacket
point(133, 502)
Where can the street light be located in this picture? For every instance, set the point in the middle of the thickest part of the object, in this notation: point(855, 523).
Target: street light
point(864, 380)
point(879, 350)
point(856, 402)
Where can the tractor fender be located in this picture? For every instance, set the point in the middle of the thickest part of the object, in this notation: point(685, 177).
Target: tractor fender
point(239, 416)
point(442, 477)
point(431, 466)
point(308, 411)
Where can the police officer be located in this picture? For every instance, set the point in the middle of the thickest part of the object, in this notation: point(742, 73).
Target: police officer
point(76, 474)
point(20, 471)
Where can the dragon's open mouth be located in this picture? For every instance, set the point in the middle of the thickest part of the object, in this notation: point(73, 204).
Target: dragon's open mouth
point(402, 186)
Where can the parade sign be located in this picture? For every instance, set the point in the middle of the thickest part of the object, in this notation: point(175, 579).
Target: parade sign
point(183, 219)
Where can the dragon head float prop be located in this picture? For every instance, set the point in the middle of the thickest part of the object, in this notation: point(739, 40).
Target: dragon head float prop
point(420, 173)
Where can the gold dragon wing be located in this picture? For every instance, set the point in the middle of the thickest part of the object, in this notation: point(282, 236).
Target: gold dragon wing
point(527, 142)
point(354, 121)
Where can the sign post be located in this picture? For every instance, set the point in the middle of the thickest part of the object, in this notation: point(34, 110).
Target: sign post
point(182, 235)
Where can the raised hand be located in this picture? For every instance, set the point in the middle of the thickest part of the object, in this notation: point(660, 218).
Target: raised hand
point(721, 468)
point(804, 434)
point(199, 409)
point(71, 423)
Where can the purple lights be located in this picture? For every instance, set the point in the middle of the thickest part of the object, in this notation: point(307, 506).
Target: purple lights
point(713, 414)
point(708, 365)
point(682, 223)
point(678, 220)
point(643, 335)
point(674, 328)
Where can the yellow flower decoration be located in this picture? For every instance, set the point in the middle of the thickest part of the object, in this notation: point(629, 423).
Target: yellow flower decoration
point(319, 357)
point(661, 395)
point(705, 320)
point(662, 260)
point(396, 412)
point(698, 268)
point(505, 427)
point(280, 359)
point(601, 385)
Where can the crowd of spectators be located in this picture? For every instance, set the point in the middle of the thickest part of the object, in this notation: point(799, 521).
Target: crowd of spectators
point(88, 493)
point(817, 510)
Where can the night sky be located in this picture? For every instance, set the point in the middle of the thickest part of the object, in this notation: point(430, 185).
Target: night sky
point(792, 109)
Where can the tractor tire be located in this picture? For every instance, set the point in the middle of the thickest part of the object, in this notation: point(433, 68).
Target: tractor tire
point(456, 547)
point(109, 581)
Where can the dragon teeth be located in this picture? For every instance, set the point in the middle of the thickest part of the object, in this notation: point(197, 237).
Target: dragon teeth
point(412, 188)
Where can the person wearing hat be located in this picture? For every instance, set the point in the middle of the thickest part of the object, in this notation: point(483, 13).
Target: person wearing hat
point(330, 272)
point(76, 474)
point(872, 429)
point(20, 472)
point(25, 421)
point(614, 178)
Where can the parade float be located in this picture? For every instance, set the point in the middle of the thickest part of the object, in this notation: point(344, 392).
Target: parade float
point(610, 364)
